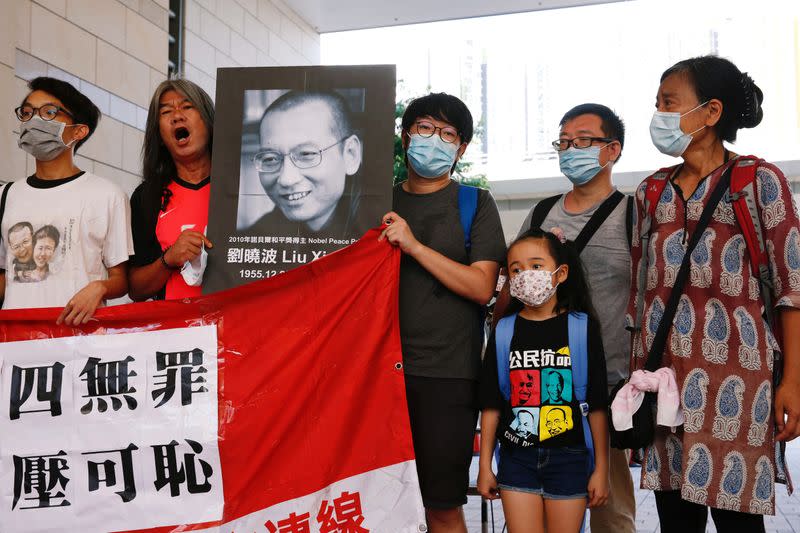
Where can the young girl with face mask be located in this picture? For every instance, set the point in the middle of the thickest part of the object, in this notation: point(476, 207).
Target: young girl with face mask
point(545, 475)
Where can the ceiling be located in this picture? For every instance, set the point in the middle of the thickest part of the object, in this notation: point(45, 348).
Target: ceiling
point(341, 15)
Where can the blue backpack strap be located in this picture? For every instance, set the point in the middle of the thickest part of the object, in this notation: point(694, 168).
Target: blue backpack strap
point(502, 343)
point(467, 207)
point(578, 331)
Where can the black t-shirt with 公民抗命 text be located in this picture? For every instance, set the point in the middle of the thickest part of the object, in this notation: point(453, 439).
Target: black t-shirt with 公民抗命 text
point(542, 409)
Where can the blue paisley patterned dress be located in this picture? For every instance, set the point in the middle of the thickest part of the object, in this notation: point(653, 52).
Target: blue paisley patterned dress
point(720, 347)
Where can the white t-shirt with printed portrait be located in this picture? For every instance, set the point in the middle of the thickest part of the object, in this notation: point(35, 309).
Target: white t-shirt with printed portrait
point(59, 235)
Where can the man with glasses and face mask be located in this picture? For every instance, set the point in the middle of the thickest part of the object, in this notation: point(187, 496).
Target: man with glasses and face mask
point(87, 265)
point(598, 218)
point(308, 157)
point(443, 286)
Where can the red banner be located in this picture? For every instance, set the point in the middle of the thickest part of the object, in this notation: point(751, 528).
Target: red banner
point(313, 430)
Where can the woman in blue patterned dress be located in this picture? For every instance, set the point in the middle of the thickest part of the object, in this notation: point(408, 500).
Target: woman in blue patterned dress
point(720, 347)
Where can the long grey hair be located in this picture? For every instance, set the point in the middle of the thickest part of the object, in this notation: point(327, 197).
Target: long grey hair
point(158, 168)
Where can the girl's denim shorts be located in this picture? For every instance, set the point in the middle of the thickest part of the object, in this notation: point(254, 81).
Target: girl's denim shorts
point(554, 473)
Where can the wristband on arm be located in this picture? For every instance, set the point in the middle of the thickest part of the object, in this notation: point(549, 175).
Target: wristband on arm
point(164, 260)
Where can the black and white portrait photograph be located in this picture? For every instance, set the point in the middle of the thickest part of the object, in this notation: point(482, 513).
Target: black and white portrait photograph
point(302, 166)
point(301, 156)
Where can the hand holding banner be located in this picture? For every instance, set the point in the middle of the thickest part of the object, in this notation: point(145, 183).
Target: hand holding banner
point(111, 427)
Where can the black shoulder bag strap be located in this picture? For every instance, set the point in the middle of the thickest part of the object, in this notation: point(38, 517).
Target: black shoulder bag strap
point(541, 211)
point(3, 204)
point(544, 207)
point(596, 220)
point(660, 339)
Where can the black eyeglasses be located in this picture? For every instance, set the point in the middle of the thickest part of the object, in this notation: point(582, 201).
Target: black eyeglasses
point(46, 112)
point(578, 142)
point(303, 156)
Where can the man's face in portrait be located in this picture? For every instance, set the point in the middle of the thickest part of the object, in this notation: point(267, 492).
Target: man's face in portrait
point(20, 242)
point(526, 388)
point(303, 162)
point(526, 423)
point(554, 386)
point(556, 423)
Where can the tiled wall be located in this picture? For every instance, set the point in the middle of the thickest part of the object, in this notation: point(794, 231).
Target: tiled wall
point(244, 33)
point(115, 52)
point(9, 159)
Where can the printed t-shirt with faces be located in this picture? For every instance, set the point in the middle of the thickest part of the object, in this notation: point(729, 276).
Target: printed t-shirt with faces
point(59, 235)
point(542, 409)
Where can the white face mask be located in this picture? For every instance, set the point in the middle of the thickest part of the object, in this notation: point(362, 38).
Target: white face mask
point(533, 287)
point(192, 271)
point(666, 132)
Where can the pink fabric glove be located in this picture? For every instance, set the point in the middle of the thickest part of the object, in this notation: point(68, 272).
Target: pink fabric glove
point(629, 399)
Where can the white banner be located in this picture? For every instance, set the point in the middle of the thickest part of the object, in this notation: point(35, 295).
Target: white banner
point(109, 432)
point(385, 500)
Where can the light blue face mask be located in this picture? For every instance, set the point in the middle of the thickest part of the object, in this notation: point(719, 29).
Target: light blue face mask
point(666, 132)
point(580, 165)
point(430, 157)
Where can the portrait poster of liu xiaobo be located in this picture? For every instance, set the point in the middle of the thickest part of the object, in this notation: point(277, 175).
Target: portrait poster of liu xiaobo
point(302, 166)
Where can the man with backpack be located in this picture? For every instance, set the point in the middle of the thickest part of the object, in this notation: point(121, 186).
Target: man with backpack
point(452, 244)
point(597, 217)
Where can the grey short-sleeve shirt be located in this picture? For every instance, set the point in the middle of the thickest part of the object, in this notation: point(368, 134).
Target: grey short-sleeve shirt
point(440, 331)
point(607, 262)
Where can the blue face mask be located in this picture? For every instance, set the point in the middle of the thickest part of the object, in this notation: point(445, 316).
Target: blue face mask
point(430, 157)
point(666, 132)
point(580, 165)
